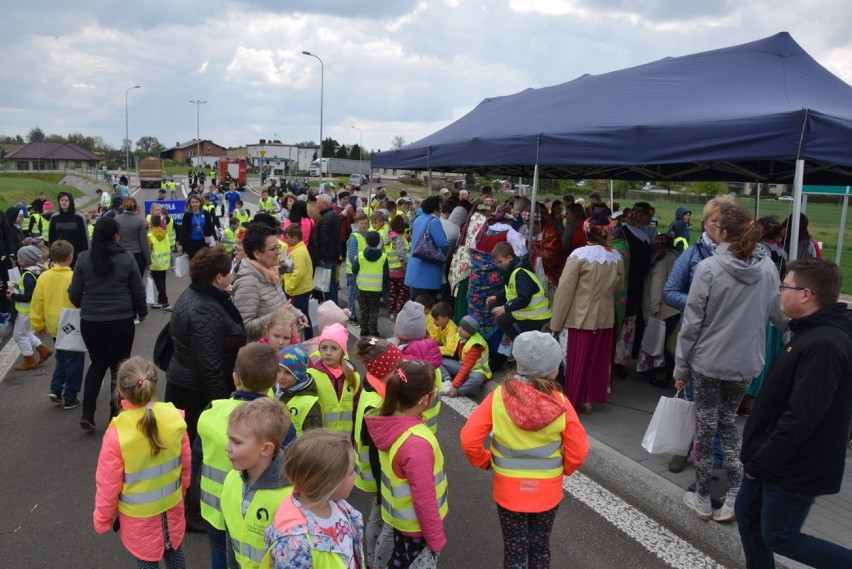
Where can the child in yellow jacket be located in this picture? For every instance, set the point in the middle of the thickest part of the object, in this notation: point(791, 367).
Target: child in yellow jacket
point(443, 329)
point(298, 280)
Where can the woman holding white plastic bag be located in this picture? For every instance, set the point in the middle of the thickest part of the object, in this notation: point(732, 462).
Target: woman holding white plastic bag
point(720, 348)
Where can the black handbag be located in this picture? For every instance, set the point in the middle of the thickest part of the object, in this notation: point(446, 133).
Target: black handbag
point(425, 248)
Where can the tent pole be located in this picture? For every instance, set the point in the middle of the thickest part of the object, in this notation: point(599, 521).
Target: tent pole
point(757, 201)
point(842, 232)
point(611, 197)
point(429, 170)
point(797, 208)
point(534, 199)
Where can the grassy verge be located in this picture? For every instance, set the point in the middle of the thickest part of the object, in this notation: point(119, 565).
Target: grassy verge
point(15, 188)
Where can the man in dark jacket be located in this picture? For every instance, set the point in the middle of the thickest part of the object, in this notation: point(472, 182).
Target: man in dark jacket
point(68, 224)
point(794, 444)
point(328, 241)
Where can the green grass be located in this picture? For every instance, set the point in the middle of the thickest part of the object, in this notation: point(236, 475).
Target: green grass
point(15, 188)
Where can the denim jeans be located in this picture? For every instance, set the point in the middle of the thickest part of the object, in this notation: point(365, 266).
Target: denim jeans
point(351, 295)
point(67, 374)
point(218, 543)
point(770, 520)
point(302, 302)
point(451, 366)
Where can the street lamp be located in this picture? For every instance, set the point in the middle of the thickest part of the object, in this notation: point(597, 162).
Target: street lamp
point(127, 129)
point(322, 88)
point(198, 128)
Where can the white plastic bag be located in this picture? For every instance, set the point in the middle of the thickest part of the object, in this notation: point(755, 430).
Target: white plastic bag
point(150, 296)
point(322, 279)
point(68, 336)
point(181, 266)
point(654, 338)
point(672, 427)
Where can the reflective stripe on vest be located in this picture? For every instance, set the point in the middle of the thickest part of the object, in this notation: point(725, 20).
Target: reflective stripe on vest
point(362, 244)
point(336, 413)
point(246, 528)
point(430, 415)
point(370, 273)
point(481, 365)
point(152, 484)
point(213, 432)
point(299, 407)
point(161, 253)
point(682, 241)
point(397, 503)
point(525, 454)
point(538, 308)
point(365, 480)
point(23, 307)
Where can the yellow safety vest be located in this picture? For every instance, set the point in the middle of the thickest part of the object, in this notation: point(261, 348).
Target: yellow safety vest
point(370, 273)
point(362, 244)
point(336, 414)
point(172, 186)
point(525, 454)
point(152, 484)
point(242, 215)
point(161, 253)
point(35, 225)
point(213, 432)
point(300, 406)
point(538, 308)
point(365, 480)
point(91, 229)
point(481, 364)
point(211, 209)
point(397, 504)
point(682, 241)
point(267, 205)
point(24, 307)
point(394, 262)
point(430, 415)
point(246, 528)
point(230, 241)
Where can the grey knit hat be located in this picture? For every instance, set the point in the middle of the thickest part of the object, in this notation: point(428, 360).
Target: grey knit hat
point(410, 322)
point(470, 324)
point(537, 354)
point(30, 255)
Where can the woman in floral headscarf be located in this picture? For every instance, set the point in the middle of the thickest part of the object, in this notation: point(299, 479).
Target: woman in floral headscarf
point(583, 311)
point(486, 278)
point(460, 265)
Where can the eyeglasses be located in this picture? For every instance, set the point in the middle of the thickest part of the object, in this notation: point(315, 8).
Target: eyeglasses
point(272, 249)
point(782, 286)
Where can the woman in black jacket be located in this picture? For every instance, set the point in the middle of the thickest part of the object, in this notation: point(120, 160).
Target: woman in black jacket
point(107, 288)
point(207, 332)
point(196, 229)
point(9, 245)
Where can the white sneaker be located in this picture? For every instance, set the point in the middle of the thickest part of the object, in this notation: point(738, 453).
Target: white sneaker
point(702, 508)
point(724, 514)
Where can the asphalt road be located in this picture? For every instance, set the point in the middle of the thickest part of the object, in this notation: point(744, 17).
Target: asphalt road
point(47, 495)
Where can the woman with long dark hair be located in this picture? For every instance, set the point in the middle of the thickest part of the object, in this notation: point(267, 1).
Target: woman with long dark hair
point(107, 288)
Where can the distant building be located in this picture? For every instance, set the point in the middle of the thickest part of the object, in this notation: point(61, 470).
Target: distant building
point(184, 152)
point(51, 156)
point(279, 157)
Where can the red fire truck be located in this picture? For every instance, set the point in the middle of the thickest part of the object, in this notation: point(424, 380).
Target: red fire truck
point(231, 168)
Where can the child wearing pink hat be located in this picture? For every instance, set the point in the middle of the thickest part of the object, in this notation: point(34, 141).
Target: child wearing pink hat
point(338, 384)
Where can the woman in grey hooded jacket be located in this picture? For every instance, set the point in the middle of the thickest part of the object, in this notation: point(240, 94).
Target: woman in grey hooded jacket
point(721, 345)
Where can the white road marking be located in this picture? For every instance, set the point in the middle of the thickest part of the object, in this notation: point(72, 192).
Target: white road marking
point(8, 356)
point(657, 539)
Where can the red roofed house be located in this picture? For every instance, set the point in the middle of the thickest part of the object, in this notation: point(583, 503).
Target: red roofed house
point(51, 156)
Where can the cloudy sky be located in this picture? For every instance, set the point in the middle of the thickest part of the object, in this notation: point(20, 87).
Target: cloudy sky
point(392, 67)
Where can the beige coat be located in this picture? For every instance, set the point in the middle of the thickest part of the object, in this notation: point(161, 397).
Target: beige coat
point(652, 296)
point(584, 296)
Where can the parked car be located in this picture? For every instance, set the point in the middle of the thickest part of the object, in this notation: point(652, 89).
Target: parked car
point(357, 180)
point(377, 179)
point(784, 198)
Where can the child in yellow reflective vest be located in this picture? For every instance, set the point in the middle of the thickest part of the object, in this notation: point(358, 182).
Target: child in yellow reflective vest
point(396, 248)
point(29, 259)
point(413, 482)
point(315, 526)
point(297, 390)
point(256, 486)
point(468, 368)
point(338, 384)
point(143, 470)
point(161, 259)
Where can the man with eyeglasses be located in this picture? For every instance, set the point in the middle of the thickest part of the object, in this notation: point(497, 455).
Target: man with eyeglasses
point(794, 444)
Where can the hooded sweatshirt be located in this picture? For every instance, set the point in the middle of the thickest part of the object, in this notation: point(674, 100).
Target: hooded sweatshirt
point(415, 462)
point(679, 227)
point(70, 226)
point(530, 410)
point(798, 428)
point(724, 322)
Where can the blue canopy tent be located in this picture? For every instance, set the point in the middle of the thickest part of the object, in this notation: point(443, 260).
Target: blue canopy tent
point(763, 111)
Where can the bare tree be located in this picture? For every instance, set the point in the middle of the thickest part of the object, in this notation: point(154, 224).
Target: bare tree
point(398, 141)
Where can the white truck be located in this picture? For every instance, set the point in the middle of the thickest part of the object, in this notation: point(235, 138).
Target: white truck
point(339, 167)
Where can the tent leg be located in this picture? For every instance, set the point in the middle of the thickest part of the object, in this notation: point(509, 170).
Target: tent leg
point(533, 210)
point(757, 200)
point(842, 232)
point(797, 208)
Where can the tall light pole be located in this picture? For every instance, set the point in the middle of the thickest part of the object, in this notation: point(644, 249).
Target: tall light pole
point(127, 129)
point(322, 88)
point(198, 128)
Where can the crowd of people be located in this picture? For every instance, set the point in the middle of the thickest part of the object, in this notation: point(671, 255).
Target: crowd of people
point(268, 423)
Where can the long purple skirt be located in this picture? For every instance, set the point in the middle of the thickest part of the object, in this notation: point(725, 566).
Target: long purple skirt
point(588, 364)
